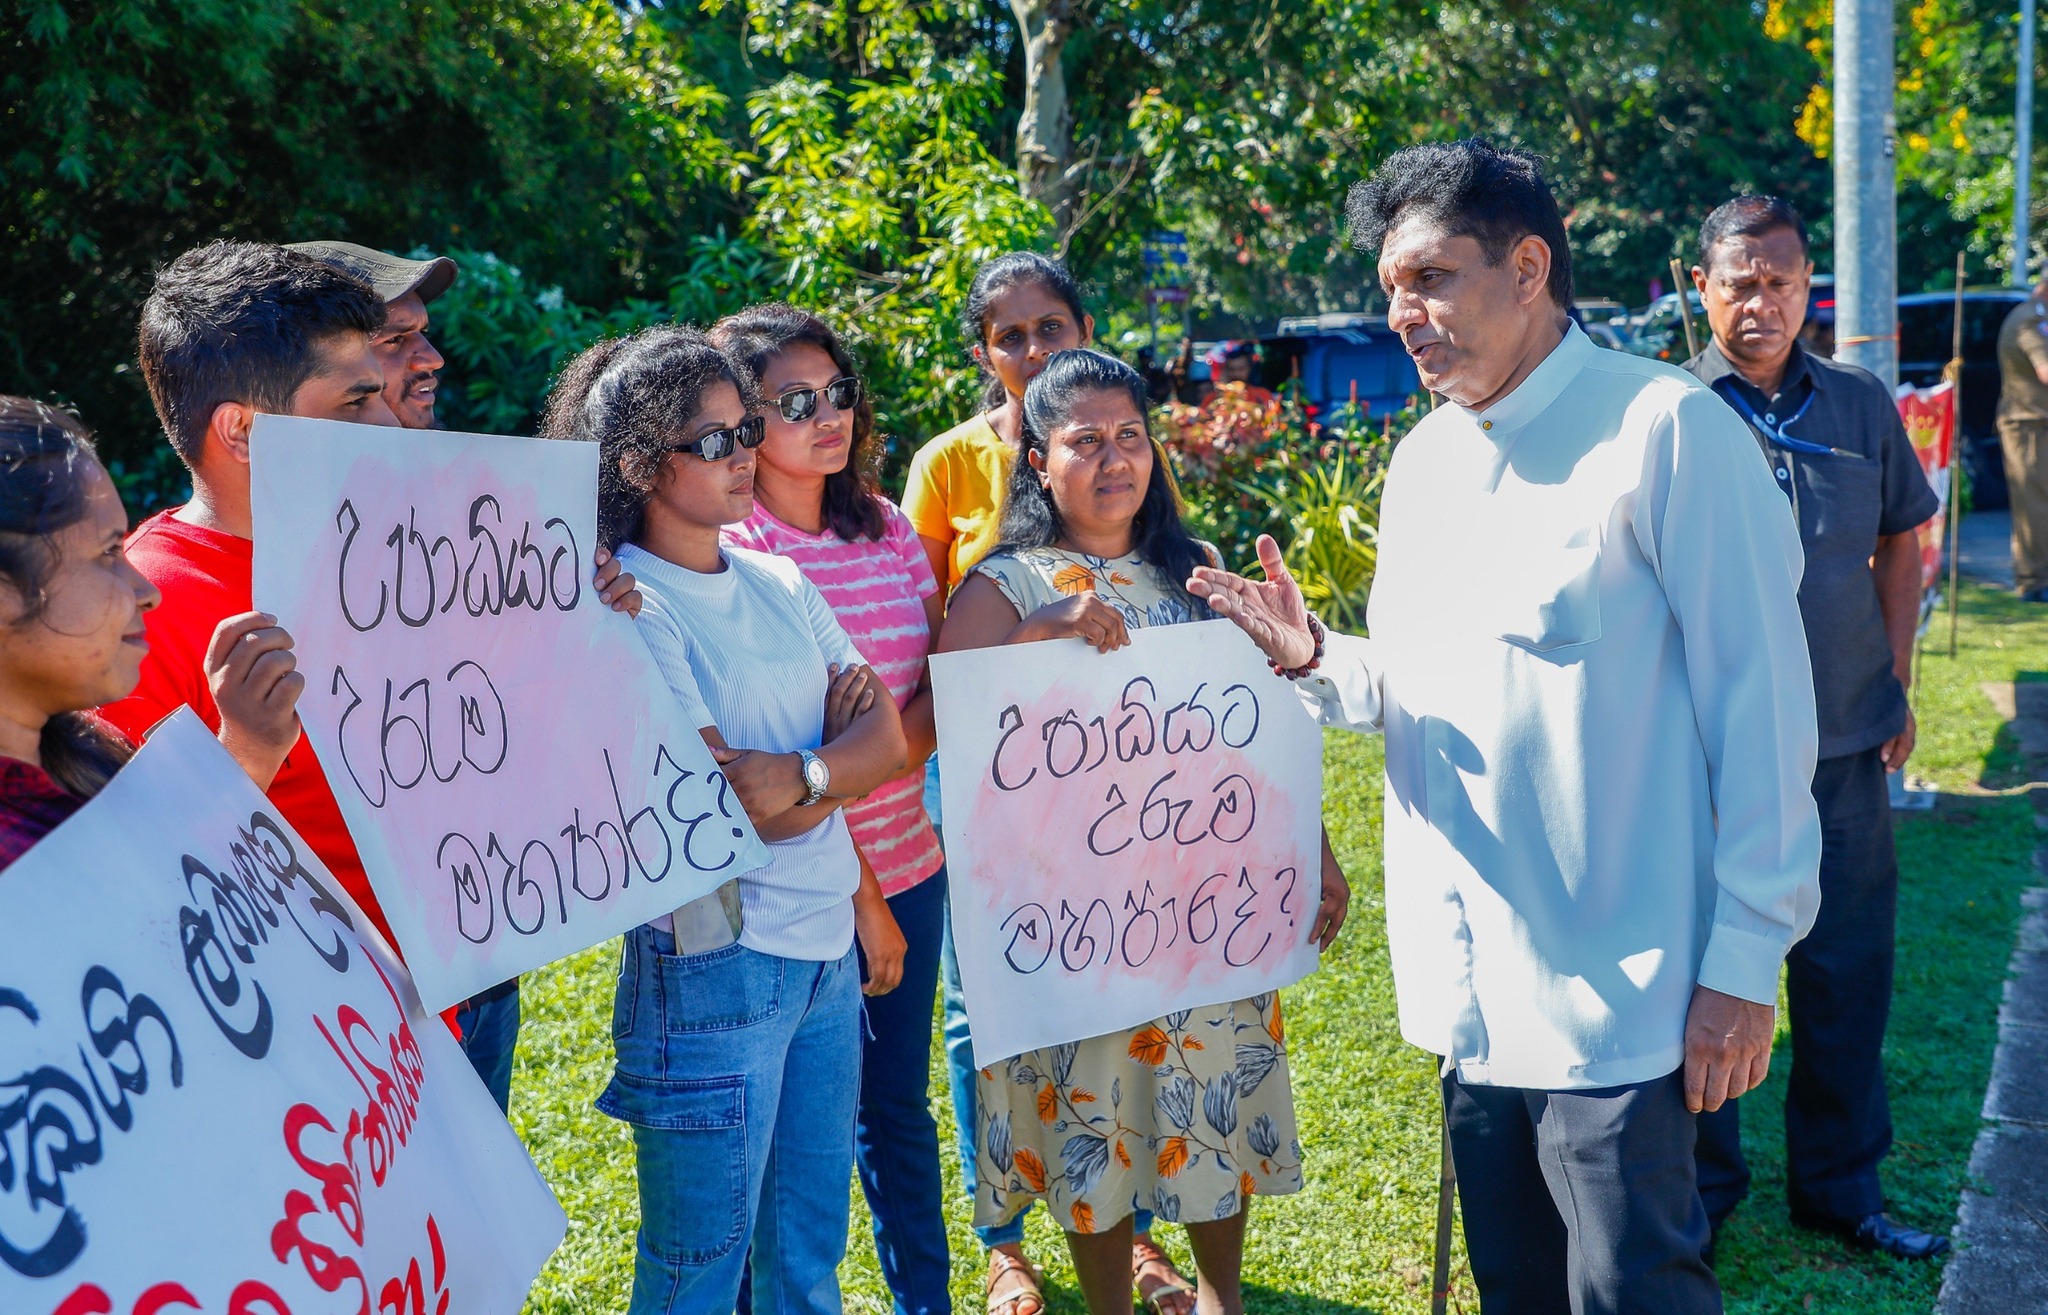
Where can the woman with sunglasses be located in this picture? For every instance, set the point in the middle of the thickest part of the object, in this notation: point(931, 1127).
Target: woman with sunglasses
point(737, 1042)
point(814, 503)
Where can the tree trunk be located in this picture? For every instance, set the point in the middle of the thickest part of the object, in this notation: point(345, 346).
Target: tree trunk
point(1045, 131)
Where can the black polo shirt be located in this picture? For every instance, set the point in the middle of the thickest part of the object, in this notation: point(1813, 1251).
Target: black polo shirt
point(1869, 486)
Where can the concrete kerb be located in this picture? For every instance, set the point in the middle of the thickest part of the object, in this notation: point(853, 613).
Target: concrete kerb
point(2000, 1265)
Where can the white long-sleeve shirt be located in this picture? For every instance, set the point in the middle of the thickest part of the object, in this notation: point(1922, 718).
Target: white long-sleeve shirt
point(1588, 662)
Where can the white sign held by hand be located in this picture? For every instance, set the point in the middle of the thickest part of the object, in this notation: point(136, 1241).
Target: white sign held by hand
point(514, 771)
point(219, 1094)
point(1127, 834)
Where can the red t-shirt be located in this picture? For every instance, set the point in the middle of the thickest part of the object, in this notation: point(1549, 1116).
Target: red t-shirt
point(205, 576)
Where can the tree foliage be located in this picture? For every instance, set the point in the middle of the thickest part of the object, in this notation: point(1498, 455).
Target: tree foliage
point(1956, 62)
point(599, 165)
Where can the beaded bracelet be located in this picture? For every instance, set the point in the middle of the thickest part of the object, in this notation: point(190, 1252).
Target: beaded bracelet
point(1316, 632)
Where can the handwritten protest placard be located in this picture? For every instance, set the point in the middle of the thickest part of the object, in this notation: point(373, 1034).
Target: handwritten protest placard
point(518, 778)
point(219, 1094)
point(1126, 834)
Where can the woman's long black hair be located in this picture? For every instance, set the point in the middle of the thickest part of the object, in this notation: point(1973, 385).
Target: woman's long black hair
point(1031, 519)
point(756, 336)
point(46, 462)
point(992, 280)
point(634, 397)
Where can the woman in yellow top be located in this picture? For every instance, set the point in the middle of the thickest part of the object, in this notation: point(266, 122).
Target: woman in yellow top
point(1021, 309)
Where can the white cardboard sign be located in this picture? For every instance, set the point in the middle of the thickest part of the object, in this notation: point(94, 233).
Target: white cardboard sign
point(1126, 834)
point(514, 771)
point(219, 1094)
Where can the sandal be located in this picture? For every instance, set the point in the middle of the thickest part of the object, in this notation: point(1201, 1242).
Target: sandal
point(1026, 1297)
point(1157, 1281)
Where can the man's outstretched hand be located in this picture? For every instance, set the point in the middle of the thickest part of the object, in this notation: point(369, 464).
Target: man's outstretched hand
point(1271, 612)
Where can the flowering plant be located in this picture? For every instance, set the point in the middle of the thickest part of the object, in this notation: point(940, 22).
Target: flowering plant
point(1252, 462)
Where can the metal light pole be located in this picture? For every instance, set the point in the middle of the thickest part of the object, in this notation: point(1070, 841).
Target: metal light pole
point(1866, 237)
point(2023, 154)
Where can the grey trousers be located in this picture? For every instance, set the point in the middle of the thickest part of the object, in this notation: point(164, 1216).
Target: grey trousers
point(1581, 1202)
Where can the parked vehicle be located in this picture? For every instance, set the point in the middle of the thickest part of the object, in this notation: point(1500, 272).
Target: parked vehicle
point(1338, 357)
point(1661, 336)
point(1611, 336)
point(1926, 339)
point(1605, 320)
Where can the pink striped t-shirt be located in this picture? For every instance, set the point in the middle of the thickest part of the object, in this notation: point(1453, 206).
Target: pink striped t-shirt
point(877, 590)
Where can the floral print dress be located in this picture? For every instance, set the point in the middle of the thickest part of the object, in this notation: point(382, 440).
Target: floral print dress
point(1186, 1115)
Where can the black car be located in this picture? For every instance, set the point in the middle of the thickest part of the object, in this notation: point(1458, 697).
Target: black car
point(1926, 340)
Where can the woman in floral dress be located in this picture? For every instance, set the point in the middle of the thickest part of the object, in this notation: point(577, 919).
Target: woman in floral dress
point(1190, 1115)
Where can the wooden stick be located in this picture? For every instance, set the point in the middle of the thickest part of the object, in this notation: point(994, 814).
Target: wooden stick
point(1684, 286)
point(1955, 461)
point(1446, 1200)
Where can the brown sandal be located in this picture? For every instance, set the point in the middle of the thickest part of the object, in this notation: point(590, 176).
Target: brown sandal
point(1154, 1288)
point(1003, 1266)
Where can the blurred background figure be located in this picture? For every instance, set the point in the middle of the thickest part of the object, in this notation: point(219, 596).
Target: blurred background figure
point(2023, 434)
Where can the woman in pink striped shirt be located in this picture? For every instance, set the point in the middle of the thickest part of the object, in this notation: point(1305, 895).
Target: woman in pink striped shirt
point(814, 503)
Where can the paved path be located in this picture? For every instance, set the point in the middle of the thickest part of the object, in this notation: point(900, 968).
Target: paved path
point(1986, 542)
point(2001, 1234)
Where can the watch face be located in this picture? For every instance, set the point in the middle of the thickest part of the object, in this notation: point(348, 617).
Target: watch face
point(815, 773)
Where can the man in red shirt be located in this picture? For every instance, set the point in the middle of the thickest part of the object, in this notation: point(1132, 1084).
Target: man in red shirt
point(230, 330)
point(233, 330)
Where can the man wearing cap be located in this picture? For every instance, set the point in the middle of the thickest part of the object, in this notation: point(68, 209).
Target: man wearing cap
point(489, 1021)
point(411, 365)
point(1837, 450)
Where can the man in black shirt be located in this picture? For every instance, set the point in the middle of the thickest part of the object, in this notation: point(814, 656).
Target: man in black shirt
point(1837, 449)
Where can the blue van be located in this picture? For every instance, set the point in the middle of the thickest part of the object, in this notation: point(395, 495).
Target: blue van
point(1339, 358)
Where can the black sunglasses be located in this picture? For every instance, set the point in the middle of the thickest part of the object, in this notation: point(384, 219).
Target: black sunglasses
point(802, 403)
point(719, 443)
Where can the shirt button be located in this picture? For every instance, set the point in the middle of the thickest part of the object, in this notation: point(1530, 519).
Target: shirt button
point(1486, 424)
point(1784, 474)
point(1770, 417)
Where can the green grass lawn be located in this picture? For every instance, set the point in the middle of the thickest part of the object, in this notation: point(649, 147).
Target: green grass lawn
point(1359, 1238)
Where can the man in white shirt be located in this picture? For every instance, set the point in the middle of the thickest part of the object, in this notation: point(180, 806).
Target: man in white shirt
point(1588, 662)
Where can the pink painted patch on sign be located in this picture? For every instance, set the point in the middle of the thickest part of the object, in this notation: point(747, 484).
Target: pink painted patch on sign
point(1148, 843)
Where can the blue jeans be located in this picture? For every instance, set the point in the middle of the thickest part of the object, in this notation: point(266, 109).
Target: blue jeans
point(738, 1072)
point(960, 1064)
point(896, 1140)
point(490, 1034)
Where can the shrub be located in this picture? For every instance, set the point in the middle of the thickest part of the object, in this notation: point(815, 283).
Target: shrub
point(1252, 464)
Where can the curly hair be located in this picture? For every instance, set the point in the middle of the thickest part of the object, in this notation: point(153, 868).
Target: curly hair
point(1031, 518)
point(756, 336)
point(992, 280)
point(633, 397)
point(1472, 189)
point(46, 465)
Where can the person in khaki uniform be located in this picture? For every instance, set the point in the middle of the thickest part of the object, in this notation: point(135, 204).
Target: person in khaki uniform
point(2023, 433)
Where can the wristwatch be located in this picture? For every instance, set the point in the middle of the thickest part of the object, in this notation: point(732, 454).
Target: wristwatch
point(817, 777)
